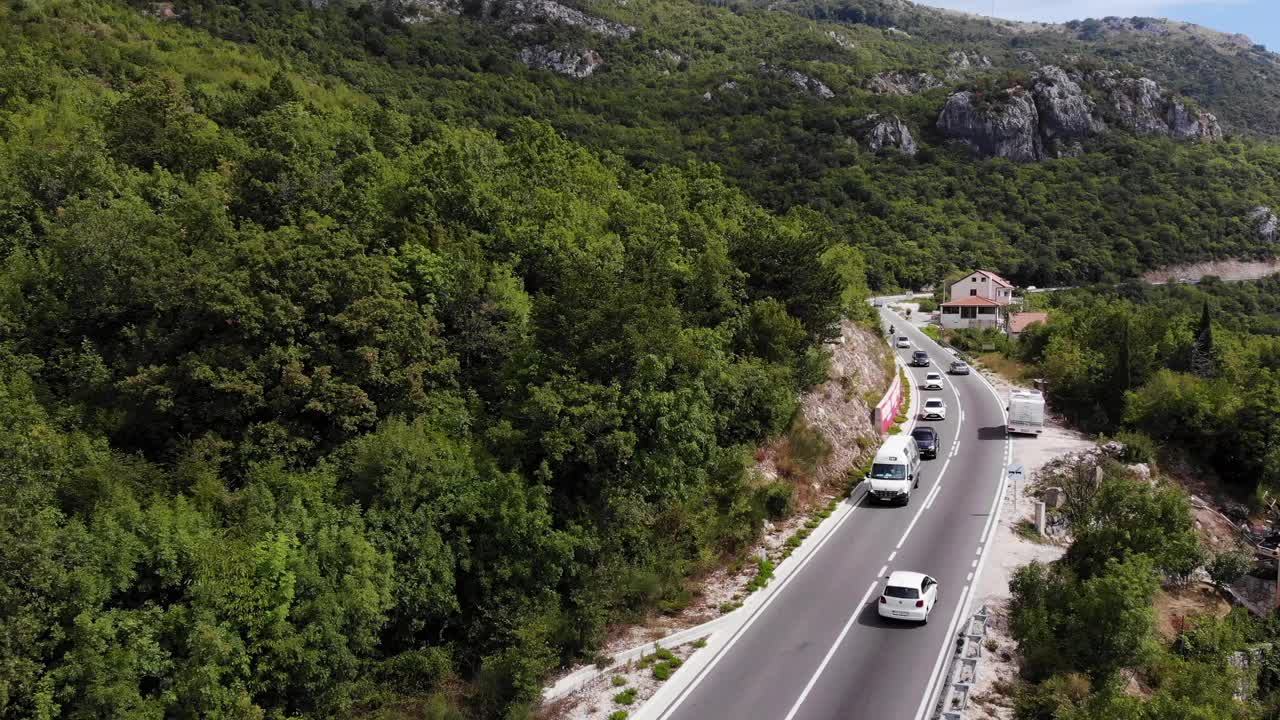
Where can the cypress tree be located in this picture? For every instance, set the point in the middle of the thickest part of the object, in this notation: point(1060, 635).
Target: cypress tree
point(1203, 356)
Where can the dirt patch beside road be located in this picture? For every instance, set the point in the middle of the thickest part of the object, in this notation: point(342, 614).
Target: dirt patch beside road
point(1225, 269)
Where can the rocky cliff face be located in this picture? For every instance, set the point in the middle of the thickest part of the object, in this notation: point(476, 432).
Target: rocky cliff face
point(887, 133)
point(1065, 112)
point(578, 63)
point(1005, 127)
point(1140, 105)
point(1052, 116)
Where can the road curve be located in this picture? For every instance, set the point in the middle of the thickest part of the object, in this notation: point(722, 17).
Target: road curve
point(819, 651)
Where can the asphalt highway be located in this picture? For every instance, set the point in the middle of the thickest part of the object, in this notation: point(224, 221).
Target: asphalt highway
point(819, 651)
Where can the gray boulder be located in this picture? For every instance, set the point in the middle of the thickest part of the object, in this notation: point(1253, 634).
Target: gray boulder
point(578, 63)
point(888, 132)
point(1006, 127)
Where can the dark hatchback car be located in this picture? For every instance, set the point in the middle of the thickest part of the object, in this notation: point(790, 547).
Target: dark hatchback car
point(920, 358)
point(926, 441)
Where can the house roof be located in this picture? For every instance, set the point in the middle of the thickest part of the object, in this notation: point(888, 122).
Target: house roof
point(996, 278)
point(973, 301)
point(1019, 321)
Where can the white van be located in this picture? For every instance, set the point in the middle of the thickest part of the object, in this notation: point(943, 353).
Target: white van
point(895, 471)
point(1026, 412)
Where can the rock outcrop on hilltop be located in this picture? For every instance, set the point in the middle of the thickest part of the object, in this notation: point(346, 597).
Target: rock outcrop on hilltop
point(1052, 116)
point(881, 132)
point(1005, 127)
point(1140, 106)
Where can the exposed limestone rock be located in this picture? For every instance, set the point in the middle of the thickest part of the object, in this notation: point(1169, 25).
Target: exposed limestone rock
point(1062, 115)
point(1140, 105)
point(896, 32)
point(813, 86)
point(549, 10)
point(577, 63)
point(841, 39)
point(1028, 57)
point(962, 60)
point(724, 87)
point(1265, 222)
point(521, 14)
point(888, 132)
point(670, 56)
point(900, 83)
point(1006, 127)
point(1185, 124)
point(1066, 114)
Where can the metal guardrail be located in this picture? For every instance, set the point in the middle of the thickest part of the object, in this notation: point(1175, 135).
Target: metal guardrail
point(962, 670)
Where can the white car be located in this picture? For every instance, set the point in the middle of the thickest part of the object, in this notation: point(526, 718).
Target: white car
point(934, 409)
point(908, 596)
point(933, 381)
point(904, 341)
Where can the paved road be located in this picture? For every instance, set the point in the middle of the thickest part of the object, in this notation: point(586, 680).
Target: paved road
point(819, 651)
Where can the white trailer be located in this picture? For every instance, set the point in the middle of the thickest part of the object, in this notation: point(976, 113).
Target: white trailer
point(1026, 412)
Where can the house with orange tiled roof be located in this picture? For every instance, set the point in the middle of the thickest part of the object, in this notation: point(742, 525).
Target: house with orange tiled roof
point(978, 300)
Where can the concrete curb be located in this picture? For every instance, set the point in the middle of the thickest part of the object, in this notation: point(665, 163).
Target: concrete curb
point(719, 631)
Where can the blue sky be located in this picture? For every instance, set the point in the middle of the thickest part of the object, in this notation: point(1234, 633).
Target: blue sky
point(1259, 19)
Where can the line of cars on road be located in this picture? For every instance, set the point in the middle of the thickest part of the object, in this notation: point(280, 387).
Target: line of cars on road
point(895, 473)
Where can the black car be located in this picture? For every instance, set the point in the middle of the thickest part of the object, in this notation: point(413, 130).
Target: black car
point(927, 441)
point(920, 358)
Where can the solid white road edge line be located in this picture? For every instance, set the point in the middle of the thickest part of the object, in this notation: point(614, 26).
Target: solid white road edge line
point(935, 682)
point(738, 632)
point(937, 665)
point(862, 604)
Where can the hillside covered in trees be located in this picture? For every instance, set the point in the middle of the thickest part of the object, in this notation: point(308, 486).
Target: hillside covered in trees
point(370, 359)
point(313, 407)
point(785, 105)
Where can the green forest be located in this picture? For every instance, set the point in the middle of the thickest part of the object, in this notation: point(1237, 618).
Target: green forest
point(313, 407)
point(349, 367)
point(1122, 207)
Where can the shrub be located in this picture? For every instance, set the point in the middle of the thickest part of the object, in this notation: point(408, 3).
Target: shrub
point(619, 681)
point(663, 654)
point(699, 643)
point(662, 671)
point(1227, 567)
point(778, 499)
point(626, 697)
point(1138, 447)
point(603, 661)
point(618, 715)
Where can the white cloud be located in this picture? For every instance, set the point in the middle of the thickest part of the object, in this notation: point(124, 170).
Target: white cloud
point(1063, 10)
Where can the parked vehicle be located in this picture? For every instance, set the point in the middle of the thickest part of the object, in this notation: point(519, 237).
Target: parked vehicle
point(959, 367)
point(927, 441)
point(934, 409)
point(932, 381)
point(1026, 412)
point(919, 358)
point(904, 341)
point(895, 471)
point(908, 596)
